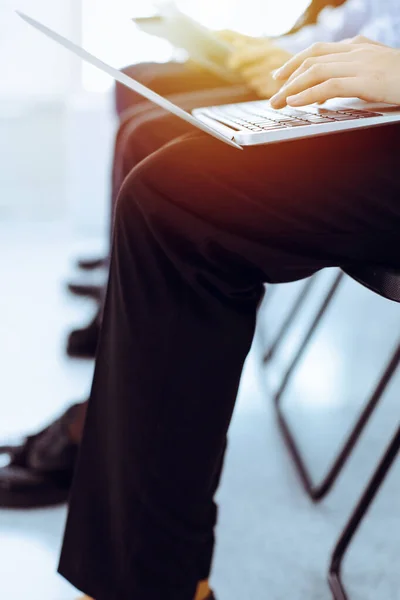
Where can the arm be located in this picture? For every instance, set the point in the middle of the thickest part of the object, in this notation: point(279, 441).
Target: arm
point(256, 60)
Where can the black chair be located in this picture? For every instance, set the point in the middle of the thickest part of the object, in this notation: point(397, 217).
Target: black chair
point(299, 301)
point(368, 496)
point(387, 284)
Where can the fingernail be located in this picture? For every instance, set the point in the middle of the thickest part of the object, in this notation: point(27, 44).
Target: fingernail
point(278, 102)
point(277, 74)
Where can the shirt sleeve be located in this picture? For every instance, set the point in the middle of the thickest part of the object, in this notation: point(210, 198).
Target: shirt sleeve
point(385, 30)
point(333, 25)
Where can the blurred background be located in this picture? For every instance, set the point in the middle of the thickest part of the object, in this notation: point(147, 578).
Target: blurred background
point(48, 95)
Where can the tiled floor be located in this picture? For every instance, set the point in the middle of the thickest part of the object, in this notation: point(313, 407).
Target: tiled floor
point(272, 544)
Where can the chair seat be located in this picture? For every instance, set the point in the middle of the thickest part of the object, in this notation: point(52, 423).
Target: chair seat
point(385, 282)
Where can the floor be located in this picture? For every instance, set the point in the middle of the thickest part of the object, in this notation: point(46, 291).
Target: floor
point(272, 543)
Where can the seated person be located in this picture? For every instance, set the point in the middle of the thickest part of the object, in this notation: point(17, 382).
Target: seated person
point(255, 59)
point(199, 228)
point(41, 469)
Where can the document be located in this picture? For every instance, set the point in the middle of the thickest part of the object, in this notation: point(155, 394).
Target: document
point(203, 46)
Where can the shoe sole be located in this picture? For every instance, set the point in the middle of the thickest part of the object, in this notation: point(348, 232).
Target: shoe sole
point(86, 291)
point(80, 355)
point(20, 499)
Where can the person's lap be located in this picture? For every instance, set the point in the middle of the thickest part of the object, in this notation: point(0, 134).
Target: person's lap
point(141, 132)
point(340, 187)
point(199, 228)
point(326, 168)
point(186, 85)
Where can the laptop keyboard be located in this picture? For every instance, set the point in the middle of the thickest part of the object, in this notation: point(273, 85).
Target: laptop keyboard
point(259, 116)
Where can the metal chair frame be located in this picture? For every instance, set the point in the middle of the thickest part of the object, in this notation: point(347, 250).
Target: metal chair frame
point(335, 570)
point(317, 492)
point(376, 281)
point(289, 319)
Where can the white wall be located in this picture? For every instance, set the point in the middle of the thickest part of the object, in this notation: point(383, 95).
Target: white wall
point(30, 64)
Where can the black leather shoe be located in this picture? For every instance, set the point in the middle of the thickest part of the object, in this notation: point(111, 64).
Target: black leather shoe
point(23, 488)
point(94, 263)
point(41, 469)
point(95, 292)
point(82, 343)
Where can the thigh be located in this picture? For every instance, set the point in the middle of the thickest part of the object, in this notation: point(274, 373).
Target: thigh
point(282, 210)
point(146, 128)
point(165, 79)
point(149, 127)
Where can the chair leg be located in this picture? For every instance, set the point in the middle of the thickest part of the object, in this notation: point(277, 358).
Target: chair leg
point(317, 492)
point(334, 577)
point(311, 331)
point(288, 437)
point(308, 284)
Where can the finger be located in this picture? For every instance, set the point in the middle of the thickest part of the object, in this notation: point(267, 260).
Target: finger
point(246, 55)
point(311, 62)
point(347, 87)
point(314, 76)
point(319, 49)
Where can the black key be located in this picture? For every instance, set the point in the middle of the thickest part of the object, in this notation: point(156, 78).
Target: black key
point(368, 115)
point(297, 123)
point(345, 118)
point(360, 113)
point(327, 112)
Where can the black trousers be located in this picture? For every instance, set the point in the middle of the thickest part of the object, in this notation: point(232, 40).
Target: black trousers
point(186, 85)
point(166, 79)
point(199, 228)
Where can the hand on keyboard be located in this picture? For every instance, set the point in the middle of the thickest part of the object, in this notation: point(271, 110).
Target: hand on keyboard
point(364, 70)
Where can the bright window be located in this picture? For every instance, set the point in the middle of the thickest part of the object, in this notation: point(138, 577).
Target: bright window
point(108, 32)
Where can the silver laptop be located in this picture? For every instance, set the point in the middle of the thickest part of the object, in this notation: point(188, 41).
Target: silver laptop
point(251, 123)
